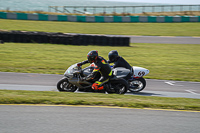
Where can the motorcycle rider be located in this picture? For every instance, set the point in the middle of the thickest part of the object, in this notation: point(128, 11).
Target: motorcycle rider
point(101, 66)
point(118, 60)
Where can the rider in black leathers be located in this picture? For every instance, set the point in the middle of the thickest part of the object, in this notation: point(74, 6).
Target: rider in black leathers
point(101, 66)
point(119, 62)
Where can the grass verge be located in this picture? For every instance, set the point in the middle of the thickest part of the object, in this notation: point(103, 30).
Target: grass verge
point(165, 61)
point(149, 29)
point(64, 98)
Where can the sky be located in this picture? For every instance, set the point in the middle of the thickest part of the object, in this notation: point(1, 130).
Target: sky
point(193, 2)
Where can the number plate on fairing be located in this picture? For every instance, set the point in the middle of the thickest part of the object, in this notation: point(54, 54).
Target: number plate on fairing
point(139, 72)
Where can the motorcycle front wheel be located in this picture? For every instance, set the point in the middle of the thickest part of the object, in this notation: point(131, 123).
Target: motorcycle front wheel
point(137, 85)
point(64, 86)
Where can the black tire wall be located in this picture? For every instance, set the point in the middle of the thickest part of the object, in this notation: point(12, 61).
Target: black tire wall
point(61, 38)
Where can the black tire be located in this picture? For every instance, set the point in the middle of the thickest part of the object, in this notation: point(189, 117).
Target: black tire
point(137, 85)
point(64, 86)
point(120, 86)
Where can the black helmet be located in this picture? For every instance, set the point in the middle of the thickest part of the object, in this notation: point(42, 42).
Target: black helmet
point(92, 56)
point(112, 55)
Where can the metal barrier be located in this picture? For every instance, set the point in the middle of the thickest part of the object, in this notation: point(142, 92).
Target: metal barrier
point(122, 9)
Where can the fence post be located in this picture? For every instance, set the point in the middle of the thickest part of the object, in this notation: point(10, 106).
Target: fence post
point(94, 10)
point(124, 9)
point(153, 8)
point(172, 8)
point(49, 9)
point(163, 9)
point(181, 8)
point(143, 9)
point(114, 9)
point(190, 8)
point(133, 9)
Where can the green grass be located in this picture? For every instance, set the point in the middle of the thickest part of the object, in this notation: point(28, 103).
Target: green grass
point(165, 61)
point(150, 29)
point(59, 98)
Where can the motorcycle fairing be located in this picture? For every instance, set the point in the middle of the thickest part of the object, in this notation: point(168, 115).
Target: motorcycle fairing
point(71, 70)
point(139, 71)
point(87, 71)
point(120, 72)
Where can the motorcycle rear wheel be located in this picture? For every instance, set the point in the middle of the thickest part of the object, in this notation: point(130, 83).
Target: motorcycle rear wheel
point(64, 86)
point(137, 85)
point(119, 86)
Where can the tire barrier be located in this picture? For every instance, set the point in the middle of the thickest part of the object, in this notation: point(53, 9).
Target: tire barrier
point(100, 19)
point(61, 38)
point(1, 42)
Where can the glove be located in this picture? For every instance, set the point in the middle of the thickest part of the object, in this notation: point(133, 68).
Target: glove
point(95, 86)
point(79, 64)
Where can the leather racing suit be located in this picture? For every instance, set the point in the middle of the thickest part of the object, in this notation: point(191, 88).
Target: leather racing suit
point(121, 62)
point(102, 66)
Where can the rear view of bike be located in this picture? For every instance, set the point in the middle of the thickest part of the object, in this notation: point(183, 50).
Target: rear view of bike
point(134, 77)
point(138, 83)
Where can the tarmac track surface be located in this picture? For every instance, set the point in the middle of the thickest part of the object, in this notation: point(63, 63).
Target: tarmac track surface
point(71, 119)
point(165, 39)
point(47, 82)
point(74, 119)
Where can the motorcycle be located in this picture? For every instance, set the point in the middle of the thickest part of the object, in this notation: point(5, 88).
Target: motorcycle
point(134, 77)
point(72, 81)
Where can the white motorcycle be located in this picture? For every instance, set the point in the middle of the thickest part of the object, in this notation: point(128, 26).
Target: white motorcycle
point(136, 81)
